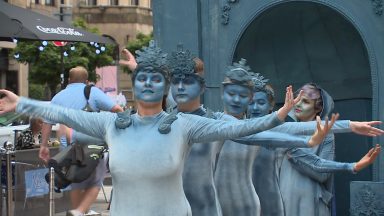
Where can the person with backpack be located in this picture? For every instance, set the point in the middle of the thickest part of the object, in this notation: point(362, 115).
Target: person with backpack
point(78, 95)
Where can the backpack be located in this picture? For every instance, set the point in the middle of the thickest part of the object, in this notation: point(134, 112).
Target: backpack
point(75, 164)
point(87, 93)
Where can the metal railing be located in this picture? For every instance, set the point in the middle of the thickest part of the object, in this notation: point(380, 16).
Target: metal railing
point(8, 151)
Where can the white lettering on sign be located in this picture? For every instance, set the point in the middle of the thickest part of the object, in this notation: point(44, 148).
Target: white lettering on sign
point(59, 30)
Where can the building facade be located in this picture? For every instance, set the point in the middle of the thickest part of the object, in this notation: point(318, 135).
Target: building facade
point(121, 20)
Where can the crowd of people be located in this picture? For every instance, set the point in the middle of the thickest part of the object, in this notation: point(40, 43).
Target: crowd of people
point(188, 160)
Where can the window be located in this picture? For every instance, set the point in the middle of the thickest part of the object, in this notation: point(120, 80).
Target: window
point(92, 2)
point(37, 1)
point(135, 2)
point(50, 2)
point(114, 2)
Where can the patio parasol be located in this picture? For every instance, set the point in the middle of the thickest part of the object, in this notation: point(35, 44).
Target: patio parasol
point(20, 23)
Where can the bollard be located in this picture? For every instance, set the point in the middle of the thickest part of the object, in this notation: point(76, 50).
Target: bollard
point(9, 151)
point(51, 191)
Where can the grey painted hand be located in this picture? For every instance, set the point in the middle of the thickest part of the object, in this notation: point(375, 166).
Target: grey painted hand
point(368, 159)
point(322, 130)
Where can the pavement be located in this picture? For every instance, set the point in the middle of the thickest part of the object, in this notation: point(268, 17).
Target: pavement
point(100, 205)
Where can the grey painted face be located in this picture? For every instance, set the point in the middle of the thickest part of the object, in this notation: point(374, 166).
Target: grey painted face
point(259, 105)
point(236, 99)
point(149, 87)
point(185, 88)
point(305, 109)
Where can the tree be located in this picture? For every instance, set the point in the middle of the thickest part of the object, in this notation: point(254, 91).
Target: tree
point(140, 41)
point(45, 64)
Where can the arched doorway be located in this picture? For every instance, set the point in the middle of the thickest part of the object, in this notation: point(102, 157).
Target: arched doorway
point(299, 42)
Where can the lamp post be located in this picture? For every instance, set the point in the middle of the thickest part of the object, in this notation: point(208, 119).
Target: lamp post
point(61, 15)
point(62, 48)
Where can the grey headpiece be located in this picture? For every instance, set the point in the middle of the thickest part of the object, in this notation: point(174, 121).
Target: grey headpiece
point(181, 62)
point(260, 84)
point(239, 73)
point(152, 59)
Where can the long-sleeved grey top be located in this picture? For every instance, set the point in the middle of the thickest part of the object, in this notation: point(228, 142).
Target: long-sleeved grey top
point(265, 176)
point(300, 182)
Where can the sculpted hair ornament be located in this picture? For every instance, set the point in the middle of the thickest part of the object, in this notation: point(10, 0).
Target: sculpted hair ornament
point(182, 63)
point(151, 59)
point(260, 84)
point(239, 73)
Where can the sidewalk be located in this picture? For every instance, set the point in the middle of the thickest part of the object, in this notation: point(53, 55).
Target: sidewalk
point(100, 204)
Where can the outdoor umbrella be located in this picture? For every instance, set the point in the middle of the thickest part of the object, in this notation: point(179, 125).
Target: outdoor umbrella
point(9, 28)
point(20, 23)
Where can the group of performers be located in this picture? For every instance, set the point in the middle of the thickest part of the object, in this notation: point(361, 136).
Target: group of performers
point(191, 160)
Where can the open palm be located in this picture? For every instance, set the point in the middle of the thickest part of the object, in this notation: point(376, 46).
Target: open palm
point(129, 61)
point(368, 159)
point(322, 130)
point(8, 101)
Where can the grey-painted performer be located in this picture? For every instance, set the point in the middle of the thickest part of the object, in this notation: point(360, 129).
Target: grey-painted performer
point(265, 177)
point(306, 191)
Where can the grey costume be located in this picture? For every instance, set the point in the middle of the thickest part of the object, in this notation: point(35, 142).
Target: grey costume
point(266, 185)
point(233, 176)
point(266, 171)
point(198, 173)
point(234, 180)
point(305, 192)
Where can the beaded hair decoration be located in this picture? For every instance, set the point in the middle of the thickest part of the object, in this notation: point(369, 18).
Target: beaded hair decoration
point(152, 59)
point(260, 84)
point(239, 73)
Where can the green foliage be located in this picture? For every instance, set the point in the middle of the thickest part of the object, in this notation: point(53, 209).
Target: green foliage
point(140, 41)
point(36, 91)
point(81, 23)
point(45, 66)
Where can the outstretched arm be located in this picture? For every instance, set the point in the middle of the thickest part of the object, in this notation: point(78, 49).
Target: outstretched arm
point(326, 151)
point(283, 140)
point(269, 139)
point(340, 126)
point(202, 130)
point(311, 161)
point(93, 124)
point(368, 158)
point(366, 128)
